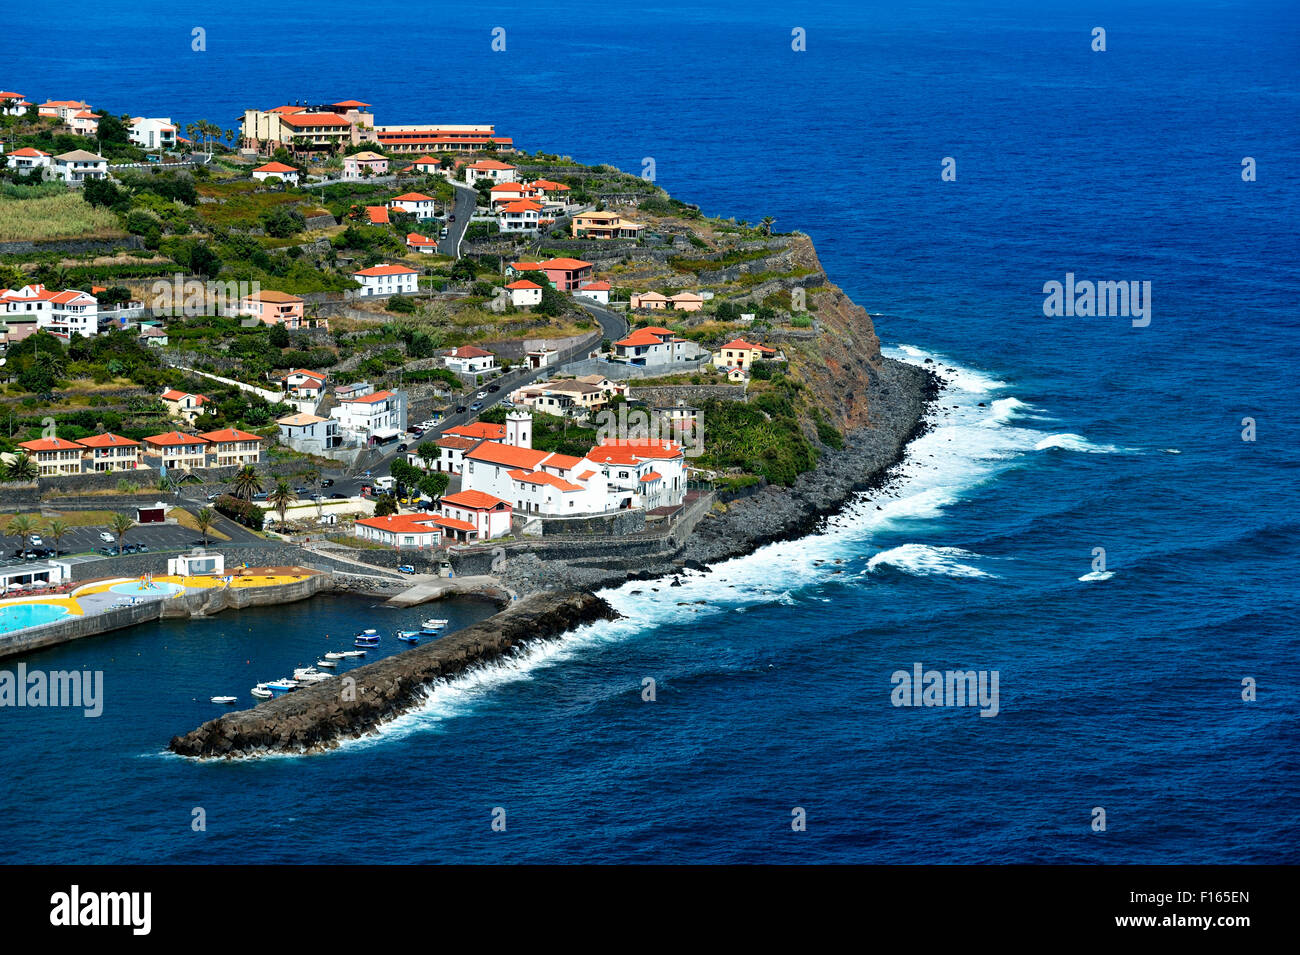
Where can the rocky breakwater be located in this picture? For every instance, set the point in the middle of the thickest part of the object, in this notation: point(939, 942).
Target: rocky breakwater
point(319, 716)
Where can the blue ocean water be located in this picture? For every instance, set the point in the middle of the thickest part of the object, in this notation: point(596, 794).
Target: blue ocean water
point(1122, 693)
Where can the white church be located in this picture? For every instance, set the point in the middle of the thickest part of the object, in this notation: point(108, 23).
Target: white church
point(614, 475)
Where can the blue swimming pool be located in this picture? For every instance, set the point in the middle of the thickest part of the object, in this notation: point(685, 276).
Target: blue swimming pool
point(18, 616)
point(136, 589)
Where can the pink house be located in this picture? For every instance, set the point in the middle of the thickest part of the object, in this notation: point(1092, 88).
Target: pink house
point(363, 164)
point(274, 308)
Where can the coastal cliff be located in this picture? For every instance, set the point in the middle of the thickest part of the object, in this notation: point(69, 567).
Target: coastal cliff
point(317, 717)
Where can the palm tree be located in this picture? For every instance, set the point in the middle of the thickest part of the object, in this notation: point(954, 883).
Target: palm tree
point(766, 224)
point(57, 530)
point(281, 496)
point(312, 477)
point(20, 526)
point(119, 525)
point(246, 483)
point(22, 468)
point(203, 520)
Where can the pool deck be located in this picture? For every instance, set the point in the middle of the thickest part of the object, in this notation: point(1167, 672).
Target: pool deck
point(94, 606)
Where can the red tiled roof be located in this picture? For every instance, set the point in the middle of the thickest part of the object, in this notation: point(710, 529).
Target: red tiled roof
point(173, 439)
point(229, 434)
point(275, 167)
point(416, 240)
point(541, 477)
point(108, 441)
point(474, 499)
point(313, 119)
point(350, 104)
point(483, 430)
point(387, 270)
point(50, 444)
point(378, 215)
point(412, 197)
point(570, 265)
point(403, 523)
point(455, 443)
point(492, 452)
point(28, 151)
point(452, 523)
point(651, 476)
point(594, 287)
point(522, 205)
point(171, 394)
point(368, 399)
point(469, 351)
point(740, 344)
point(492, 163)
point(523, 283)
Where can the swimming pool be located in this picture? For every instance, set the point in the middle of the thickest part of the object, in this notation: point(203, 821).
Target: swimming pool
point(134, 588)
point(18, 616)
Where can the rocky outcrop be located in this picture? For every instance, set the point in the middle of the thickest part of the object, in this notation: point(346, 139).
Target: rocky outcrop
point(317, 717)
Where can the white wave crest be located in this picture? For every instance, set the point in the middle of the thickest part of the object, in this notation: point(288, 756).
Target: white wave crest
point(1077, 442)
point(1098, 575)
point(926, 560)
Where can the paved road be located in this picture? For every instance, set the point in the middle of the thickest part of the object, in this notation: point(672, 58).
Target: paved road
point(614, 325)
point(466, 200)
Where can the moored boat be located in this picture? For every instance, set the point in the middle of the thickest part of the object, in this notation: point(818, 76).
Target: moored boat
point(432, 624)
point(279, 687)
point(408, 636)
point(224, 699)
point(327, 662)
point(310, 675)
point(261, 692)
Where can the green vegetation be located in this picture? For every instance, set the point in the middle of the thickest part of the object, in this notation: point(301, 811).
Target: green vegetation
point(60, 216)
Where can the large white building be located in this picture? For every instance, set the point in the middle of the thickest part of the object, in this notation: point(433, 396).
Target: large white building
point(377, 416)
point(612, 476)
point(29, 161)
point(387, 280)
point(64, 313)
point(152, 133)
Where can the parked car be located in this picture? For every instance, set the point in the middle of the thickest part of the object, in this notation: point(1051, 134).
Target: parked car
point(214, 495)
point(415, 431)
point(401, 447)
point(494, 387)
point(406, 569)
point(129, 548)
point(142, 548)
point(328, 482)
point(476, 406)
point(481, 394)
point(106, 537)
point(336, 496)
point(507, 403)
point(108, 551)
point(443, 233)
point(35, 540)
point(301, 490)
point(452, 217)
point(460, 409)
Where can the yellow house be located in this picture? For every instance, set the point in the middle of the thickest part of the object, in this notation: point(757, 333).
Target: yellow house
point(54, 456)
point(604, 225)
point(741, 354)
point(233, 448)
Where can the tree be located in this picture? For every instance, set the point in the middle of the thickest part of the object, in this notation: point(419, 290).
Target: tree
point(57, 529)
point(203, 520)
point(119, 525)
point(435, 484)
point(312, 477)
point(279, 336)
point(766, 224)
point(246, 483)
point(428, 452)
point(20, 526)
point(281, 496)
point(22, 468)
point(385, 504)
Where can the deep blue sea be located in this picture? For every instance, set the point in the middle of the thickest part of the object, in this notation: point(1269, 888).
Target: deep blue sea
point(1060, 435)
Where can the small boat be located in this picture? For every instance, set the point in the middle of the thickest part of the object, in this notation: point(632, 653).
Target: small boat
point(347, 654)
point(327, 663)
point(224, 699)
point(336, 656)
point(371, 632)
point(408, 636)
point(310, 675)
point(366, 642)
point(433, 624)
point(281, 686)
point(261, 692)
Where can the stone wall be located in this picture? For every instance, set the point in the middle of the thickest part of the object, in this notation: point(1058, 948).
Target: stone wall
point(72, 246)
point(667, 396)
point(620, 522)
point(19, 497)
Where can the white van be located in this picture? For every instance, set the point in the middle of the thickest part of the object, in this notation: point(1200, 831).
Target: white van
point(386, 483)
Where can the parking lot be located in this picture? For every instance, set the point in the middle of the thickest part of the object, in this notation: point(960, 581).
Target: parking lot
point(79, 540)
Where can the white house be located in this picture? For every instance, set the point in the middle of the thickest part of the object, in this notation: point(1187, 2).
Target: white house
point(79, 165)
point(473, 515)
point(374, 417)
point(64, 313)
point(416, 203)
point(655, 346)
point(301, 383)
point(596, 291)
point(454, 444)
point(519, 216)
point(152, 133)
point(421, 243)
point(491, 169)
point(468, 360)
point(277, 170)
point(387, 280)
point(524, 294)
point(28, 160)
point(309, 433)
point(416, 531)
point(12, 104)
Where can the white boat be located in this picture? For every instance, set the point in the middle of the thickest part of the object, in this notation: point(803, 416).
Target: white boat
point(336, 657)
point(261, 692)
point(224, 699)
point(352, 653)
point(281, 686)
point(433, 624)
point(369, 632)
point(310, 675)
point(327, 663)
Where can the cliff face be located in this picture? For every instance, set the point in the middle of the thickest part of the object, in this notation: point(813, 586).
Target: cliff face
point(842, 362)
point(316, 717)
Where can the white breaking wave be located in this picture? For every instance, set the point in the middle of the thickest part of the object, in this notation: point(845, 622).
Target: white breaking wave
point(1077, 442)
point(1098, 575)
point(922, 560)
